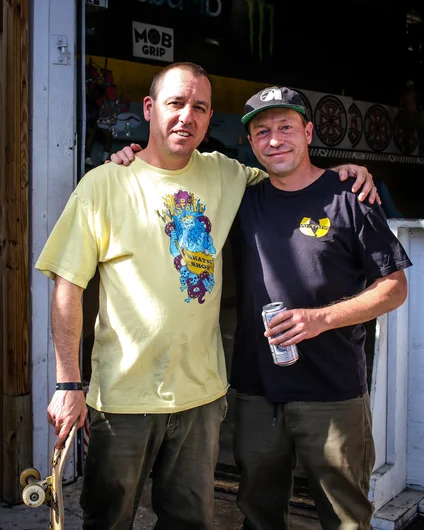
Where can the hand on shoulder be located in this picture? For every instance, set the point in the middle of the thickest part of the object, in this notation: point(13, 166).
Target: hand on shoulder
point(364, 182)
point(126, 155)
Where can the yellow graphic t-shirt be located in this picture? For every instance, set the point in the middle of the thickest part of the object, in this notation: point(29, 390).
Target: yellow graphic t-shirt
point(157, 238)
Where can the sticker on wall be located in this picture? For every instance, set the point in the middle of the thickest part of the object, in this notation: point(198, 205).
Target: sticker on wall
point(377, 128)
point(405, 133)
point(330, 120)
point(153, 42)
point(355, 130)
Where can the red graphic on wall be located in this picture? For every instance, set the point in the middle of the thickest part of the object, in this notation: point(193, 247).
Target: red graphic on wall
point(377, 128)
point(330, 120)
point(355, 125)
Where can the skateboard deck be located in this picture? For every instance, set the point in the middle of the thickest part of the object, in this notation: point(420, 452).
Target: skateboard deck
point(48, 491)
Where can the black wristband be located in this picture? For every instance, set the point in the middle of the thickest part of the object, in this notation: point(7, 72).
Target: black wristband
point(68, 386)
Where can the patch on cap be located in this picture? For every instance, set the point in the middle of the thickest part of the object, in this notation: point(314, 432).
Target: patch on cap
point(273, 97)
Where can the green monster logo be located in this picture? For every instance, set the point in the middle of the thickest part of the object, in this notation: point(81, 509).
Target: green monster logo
point(262, 7)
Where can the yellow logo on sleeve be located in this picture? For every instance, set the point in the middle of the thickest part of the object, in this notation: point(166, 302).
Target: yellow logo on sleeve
point(311, 228)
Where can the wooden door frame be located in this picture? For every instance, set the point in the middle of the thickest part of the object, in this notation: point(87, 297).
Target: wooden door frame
point(1, 275)
point(16, 422)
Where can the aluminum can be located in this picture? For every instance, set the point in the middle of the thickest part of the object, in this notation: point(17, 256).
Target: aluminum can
point(282, 355)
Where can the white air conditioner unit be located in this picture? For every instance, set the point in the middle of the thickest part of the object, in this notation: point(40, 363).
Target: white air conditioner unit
point(96, 4)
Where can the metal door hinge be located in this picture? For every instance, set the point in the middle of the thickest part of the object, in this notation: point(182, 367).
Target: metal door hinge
point(59, 49)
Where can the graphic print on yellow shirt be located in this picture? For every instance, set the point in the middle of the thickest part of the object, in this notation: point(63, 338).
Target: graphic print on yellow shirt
point(191, 244)
point(313, 229)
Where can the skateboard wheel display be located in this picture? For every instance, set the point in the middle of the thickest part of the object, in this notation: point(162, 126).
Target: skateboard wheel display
point(29, 473)
point(33, 495)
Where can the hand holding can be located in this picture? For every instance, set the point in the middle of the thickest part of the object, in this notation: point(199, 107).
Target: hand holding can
point(281, 355)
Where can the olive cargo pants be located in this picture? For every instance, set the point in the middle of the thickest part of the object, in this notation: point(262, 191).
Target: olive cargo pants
point(181, 449)
point(334, 443)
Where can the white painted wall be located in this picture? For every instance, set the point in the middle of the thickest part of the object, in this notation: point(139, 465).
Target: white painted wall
point(53, 159)
point(415, 422)
point(397, 389)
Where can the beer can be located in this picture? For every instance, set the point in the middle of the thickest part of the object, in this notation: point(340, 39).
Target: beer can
point(282, 355)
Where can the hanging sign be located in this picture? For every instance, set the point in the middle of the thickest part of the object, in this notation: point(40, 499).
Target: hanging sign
point(153, 42)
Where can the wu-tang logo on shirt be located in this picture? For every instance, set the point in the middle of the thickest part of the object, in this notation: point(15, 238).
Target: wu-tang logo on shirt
point(311, 228)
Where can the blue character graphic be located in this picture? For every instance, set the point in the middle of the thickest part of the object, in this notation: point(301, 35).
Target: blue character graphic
point(191, 244)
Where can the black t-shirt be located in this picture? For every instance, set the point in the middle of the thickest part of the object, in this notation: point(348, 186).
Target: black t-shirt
point(212, 144)
point(307, 248)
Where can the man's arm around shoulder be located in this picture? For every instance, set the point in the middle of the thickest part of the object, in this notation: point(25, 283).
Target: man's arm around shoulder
point(383, 295)
point(66, 406)
point(363, 178)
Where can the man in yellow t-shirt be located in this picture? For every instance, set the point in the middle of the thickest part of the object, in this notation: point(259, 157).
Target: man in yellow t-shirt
point(155, 230)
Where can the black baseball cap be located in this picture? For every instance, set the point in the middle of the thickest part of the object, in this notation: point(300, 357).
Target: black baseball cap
point(273, 97)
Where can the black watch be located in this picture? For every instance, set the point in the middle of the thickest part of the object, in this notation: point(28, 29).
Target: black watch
point(68, 386)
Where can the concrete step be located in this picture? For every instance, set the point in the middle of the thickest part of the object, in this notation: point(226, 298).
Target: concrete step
point(401, 512)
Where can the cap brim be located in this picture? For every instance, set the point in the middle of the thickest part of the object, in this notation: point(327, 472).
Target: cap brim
point(247, 117)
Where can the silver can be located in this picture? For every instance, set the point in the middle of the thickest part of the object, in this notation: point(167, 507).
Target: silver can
point(282, 355)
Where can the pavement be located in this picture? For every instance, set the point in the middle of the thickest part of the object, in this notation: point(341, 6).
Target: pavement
point(227, 515)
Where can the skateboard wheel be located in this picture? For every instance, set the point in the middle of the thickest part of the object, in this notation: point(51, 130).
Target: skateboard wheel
point(33, 495)
point(30, 472)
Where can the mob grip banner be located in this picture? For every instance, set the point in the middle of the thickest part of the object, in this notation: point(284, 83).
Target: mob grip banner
point(153, 42)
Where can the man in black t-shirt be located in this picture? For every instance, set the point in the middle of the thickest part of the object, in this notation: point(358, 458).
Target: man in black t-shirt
point(303, 238)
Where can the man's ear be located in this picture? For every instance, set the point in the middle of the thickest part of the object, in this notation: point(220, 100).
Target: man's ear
point(308, 131)
point(147, 107)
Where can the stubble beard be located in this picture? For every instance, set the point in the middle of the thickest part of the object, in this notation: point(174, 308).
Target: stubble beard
point(282, 169)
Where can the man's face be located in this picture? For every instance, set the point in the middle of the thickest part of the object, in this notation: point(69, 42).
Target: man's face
point(179, 117)
point(280, 140)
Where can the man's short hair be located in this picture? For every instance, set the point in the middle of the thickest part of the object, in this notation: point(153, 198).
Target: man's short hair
point(194, 69)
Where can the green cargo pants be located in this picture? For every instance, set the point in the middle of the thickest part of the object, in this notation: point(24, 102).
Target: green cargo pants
point(180, 449)
point(335, 445)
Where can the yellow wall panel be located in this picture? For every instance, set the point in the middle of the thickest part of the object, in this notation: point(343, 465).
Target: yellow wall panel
point(133, 81)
